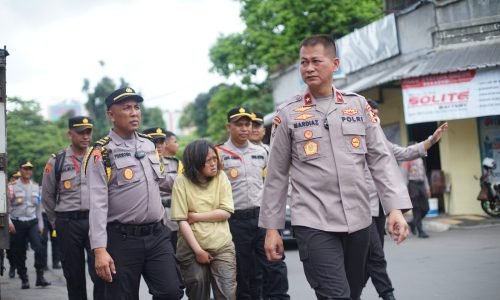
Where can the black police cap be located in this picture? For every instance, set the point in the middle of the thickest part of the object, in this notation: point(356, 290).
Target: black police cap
point(80, 123)
point(258, 118)
point(122, 94)
point(237, 113)
point(155, 132)
point(25, 164)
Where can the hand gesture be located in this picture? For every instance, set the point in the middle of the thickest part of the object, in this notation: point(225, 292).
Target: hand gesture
point(273, 245)
point(436, 136)
point(397, 226)
point(104, 264)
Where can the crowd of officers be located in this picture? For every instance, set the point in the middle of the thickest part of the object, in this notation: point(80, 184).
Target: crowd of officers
point(109, 204)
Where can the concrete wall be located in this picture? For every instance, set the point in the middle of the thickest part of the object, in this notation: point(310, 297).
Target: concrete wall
point(460, 160)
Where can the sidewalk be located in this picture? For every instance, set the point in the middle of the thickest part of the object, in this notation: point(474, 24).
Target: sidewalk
point(445, 222)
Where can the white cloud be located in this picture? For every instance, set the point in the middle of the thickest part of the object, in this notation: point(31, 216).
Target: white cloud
point(160, 47)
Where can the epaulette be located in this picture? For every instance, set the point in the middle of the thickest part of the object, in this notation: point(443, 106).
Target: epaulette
point(100, 146)
point(60, 152)
point(349, 93)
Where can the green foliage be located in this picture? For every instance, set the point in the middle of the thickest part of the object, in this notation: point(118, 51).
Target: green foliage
point(274, 29)
point(196, 114)
point(96, 106)
point(32, 138)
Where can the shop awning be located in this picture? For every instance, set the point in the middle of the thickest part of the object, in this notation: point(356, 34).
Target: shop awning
point(450, 59)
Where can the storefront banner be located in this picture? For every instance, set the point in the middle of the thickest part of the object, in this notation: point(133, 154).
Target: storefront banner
point(489, 134)
point(458, 95)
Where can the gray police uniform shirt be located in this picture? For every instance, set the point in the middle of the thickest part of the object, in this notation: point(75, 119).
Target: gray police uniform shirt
point(414, 170)
point(73, 187)
point(24, 202)
point(132, 195)
point(245, 171)
point(327, 166)
point(171, 167)
point(401, 154)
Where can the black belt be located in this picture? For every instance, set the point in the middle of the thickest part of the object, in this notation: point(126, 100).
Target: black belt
point(35, 220)
point(135, 230)
point(166, 202)
point(74, 215)
point(244, 214)
point(416, 181)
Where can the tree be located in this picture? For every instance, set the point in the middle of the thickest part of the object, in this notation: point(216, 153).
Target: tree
point(274, 29)
point(30, 137)
point(152, 117)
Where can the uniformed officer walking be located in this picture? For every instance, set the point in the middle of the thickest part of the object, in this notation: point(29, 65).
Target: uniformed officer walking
point(418, 187)
point(26, 224)
point(324, 138)
point(244, 164)
point(66, 196)
point(166, 145)
point(127, 234)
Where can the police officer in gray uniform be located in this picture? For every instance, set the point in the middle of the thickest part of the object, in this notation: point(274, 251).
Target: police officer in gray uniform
point(26, 224)
point(244, 164)
point(324, 138)
point(258, 131)
point(166, 143)
point(127, 234)
point(66, 198)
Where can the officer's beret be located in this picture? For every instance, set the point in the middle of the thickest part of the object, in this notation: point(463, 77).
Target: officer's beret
point(155, 132)
point(258, 118)
point(80, 123)
point(25, 164)
point(122, 94)
point(237, 113)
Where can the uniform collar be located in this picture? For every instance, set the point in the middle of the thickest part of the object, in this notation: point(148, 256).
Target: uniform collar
point(118, 140)
point(250, 145)
point(309, 99)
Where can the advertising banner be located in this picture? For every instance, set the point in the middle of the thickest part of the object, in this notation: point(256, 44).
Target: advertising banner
point(489, 135)
point(458, 95)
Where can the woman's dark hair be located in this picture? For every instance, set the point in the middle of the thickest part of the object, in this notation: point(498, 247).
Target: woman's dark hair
point(194, 158)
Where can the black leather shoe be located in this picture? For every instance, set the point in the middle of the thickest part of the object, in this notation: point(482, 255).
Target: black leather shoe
point(12, 272)
point(388, 296)
point(423, 235)
point(40, 280)
point(25, 283)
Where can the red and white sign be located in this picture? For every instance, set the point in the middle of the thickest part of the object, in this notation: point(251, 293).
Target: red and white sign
point(459, 95)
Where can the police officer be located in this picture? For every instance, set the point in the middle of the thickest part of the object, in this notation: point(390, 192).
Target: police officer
point(166, 145)
point(244, 164)
point(126, 231)
point(418, 187)
point(66, 197)
point(258, 131)
point(324, 138)
point(26, 224)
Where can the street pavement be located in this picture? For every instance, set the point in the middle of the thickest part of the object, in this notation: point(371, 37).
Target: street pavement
point(460, 260)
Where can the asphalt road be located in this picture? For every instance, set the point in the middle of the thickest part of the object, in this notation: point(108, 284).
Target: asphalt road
point(455, 264)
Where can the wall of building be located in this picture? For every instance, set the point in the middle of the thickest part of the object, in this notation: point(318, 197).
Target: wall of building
point(460, 160)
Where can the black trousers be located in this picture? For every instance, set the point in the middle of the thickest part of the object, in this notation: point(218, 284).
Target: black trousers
point(151, 256)
point(376, 265)
point(26, 231)
point(419, 200)
point(248, 240)
point(73, 236)
point(47, 233)
point(334, 262)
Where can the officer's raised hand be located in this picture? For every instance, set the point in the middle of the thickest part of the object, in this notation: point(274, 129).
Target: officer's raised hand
point(397, 226)
point(273, 245)
point(104, 264)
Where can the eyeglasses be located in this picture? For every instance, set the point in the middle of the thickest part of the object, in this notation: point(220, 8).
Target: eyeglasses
point(211, 160)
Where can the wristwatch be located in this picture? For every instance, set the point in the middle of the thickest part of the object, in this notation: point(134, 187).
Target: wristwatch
point(431, 139)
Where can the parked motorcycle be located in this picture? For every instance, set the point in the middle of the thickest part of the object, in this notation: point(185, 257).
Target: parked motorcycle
point(490, 190)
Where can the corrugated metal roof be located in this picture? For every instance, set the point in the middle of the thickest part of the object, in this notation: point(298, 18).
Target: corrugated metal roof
point(465, 57)
point(451, 59)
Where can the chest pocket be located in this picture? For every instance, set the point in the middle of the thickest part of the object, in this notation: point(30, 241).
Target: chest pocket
point(68, 181)
point(259, 161)
point(233, 167)
point(127, 170)
point(155, 164)
point(307, 143)
point(354, 137)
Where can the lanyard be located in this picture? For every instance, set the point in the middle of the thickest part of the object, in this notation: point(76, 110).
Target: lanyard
point(75, 163)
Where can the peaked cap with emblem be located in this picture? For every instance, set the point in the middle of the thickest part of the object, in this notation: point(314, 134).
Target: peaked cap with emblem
point(25, 164)
point(258, 118)
point(237, 113)
point(80, 123)
point(122, 94)
point(155, 133)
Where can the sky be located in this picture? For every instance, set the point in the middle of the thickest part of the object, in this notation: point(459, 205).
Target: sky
point(159, 46)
